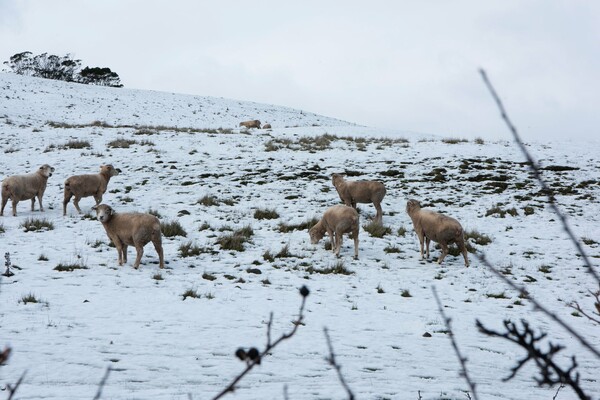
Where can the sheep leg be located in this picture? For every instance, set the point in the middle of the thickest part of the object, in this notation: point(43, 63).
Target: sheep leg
point(331, 239)
point(119, 247)
point(66, 200)
point(98, 198)
point(14, 206)
point(427, 243)
point(140, 251)
point(339, 238)
point(421, 243)
point(4, 201)
point(379, 216)
point(355, 235)
point(76, 204)
point(124, 251)
point(39, 201)
point(444, 252)
point(463, 249)
point(157, 242)
point(33, 203)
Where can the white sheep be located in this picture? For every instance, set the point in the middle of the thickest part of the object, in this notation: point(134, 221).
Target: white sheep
point(25, 187)
point(255, 123)
point(131, 229)
point(336, 221)
point(79, 186)
point(352, 192)
point(440, 228)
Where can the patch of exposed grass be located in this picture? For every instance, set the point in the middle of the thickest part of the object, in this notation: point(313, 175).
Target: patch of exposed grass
point(154, 212)
point(285, 228)
point(501, 295)
point(478, 140)
point(190, 249)
point(2, 229)
point(208, 200)
point(392, 249)
point(337, 268)
point(70, 267)
point(284, 252)
point(208, 277)
point(402, 231)
point(377, 230)
point(380, 289)
point(498, 211)
point(235, 241)
point(585, 240)
point(121, 143)
point(190, 293)
point(479, 238)
point(172, 229)
point(265, 213)
point(35, 224)
point(157, 277)
point(454, 140)
point(267, 256)
point(405, 293)
point(42, 257)
point(76, 144)
point(30, 298)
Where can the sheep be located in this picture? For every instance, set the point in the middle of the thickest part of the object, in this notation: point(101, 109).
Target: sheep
point(440, 228)
point(131, 229)
point(25, 187)
point(352, 192)
point(336, 221)
point(251, 124)
point(81, 186)
point(266, 126)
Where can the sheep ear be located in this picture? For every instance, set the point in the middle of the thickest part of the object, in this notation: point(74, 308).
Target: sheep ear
point(95, 208)
point(111, 211)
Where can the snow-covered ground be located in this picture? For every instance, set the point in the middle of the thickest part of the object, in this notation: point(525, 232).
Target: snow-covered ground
point(163, 347)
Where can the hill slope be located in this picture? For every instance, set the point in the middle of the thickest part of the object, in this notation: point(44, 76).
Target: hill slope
point(213, 182)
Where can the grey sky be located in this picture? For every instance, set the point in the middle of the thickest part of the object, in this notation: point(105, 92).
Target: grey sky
point(391, 64)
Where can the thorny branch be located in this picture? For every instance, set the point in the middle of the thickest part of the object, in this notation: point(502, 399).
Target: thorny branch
point(536, 172)
point(463, 360)
point(253, 357)
point(336, 366)
point(550, 373)
point(539, 307)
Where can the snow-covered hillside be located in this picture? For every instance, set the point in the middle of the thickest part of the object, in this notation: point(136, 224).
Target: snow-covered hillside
point(177, 163)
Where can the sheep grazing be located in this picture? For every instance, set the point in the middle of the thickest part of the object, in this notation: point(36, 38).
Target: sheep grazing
point(352, 192)
point(131, 229)
point(440, 228)
point(336, 221)
point(80, 186)
point(251, 124)
point(25, 187)
point(266, 126)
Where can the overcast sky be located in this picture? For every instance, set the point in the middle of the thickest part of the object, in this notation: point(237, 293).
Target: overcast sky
point(401, 65)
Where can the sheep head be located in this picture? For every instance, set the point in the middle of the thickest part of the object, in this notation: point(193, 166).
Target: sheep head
point(109, 170)
point(412, 205)
point(103, 212)
point(316, 233)
point(336, 179)
point(46, 170)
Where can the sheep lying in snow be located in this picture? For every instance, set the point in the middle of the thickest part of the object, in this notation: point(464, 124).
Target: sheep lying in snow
point(336, 221)
point(352, 192)
point(131, 229)
point(266, 126)
point(251, 124)
point(88, 185)
point(25, 187)
point(440, 228)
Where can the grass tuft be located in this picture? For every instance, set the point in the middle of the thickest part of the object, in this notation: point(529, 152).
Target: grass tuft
point(172, 229)
point(34, 225)
point(377, 230)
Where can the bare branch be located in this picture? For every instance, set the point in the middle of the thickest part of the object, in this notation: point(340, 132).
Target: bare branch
point(550, 373)
point(102, 383)
point(252, 361)
point(13, 389)
point(577, 307)
point(463, 360)
point(538, 306)
point(336, 366)
point(536, 172)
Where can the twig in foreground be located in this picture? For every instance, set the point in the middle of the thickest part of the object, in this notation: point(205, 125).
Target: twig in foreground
point(13, 389)
point(102, 383)
point(538, 306)
point(336, 366)
point(253, 357)
point(536, 171)
point(463, 360)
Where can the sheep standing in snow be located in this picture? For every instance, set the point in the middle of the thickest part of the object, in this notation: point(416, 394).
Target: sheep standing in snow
point(352, 192)
point(336, 221)
point(25, 187)
point(440, 228)
point(251, 124)
point(131, 229)
point(79, 186)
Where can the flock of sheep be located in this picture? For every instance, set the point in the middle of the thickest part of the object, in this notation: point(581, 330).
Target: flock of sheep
point(137, 229)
